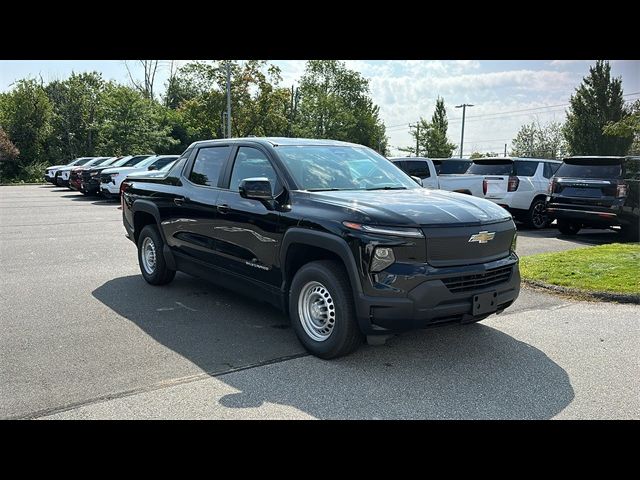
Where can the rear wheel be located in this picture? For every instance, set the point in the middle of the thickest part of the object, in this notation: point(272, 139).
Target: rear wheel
point(568, 228)
point(152, 264)
point(537, 215)
point(322, 310)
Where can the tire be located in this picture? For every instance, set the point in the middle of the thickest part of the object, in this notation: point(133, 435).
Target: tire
point(324, 283)
point(537, 217)
point(568, 228)
point(154, 272)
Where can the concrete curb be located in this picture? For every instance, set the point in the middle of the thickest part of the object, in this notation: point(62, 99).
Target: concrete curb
point(584, 294)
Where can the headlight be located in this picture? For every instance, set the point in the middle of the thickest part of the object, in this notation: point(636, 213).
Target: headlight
point(514, 242)
point(93, 174)
point(395, 231)
point(114, 175)
point(382, 258)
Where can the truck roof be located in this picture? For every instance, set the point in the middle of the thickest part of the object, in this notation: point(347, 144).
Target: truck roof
point(278, 141)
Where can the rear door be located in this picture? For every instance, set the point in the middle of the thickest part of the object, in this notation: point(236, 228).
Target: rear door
point(587, 181)
point(496, 174)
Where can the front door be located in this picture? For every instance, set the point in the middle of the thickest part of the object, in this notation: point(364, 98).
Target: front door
point(247, 231)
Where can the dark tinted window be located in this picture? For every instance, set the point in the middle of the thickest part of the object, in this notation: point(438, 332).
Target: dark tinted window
point(251, 163)
point(590, 168)
point(451, 167)
point(417, 168)
point(161, 162)
point(492, 167)
point(135, 160)
point(208, 165)
point(550, 169)
point(632, 169)
point(526, 169)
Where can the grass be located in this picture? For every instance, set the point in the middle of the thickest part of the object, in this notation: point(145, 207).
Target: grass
point(605, 268)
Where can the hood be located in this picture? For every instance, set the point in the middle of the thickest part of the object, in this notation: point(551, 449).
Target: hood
point(55, 167)
point(419, 206)
point(120, 169)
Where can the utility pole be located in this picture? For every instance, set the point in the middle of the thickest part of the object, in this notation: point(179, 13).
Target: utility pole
point(417, 125)
point(464, 111)
point(505, 150)
point(228, 99)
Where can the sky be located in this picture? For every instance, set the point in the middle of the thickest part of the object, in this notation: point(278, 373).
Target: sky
point(505, 93)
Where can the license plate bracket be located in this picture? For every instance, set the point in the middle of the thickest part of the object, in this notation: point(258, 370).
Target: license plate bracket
point(485, 303)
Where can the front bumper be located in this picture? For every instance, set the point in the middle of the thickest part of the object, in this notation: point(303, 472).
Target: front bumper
point(434, 301)
point(111, 187)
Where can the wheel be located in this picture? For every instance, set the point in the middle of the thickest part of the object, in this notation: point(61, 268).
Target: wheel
point(568, 228)
point(537, 215)
point(322, 310)
point(152, 264)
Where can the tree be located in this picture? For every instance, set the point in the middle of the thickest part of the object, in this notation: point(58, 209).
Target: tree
point(597, 102)
point(75, 103)
point(431, 137)
point(536, 141)
point(26, 118)
point(130, 123)
point(334, 102)
point(8, 151)
point(628, 127)
point(145, 86)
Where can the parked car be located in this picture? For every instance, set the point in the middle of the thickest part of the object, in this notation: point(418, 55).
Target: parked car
point(598, 192)
point(61, 175)
point(425, 169)
point(517, 184)
point(111, 178)
point(90, 177)
point(291, 222)
point(50, 172)
point(75, 174)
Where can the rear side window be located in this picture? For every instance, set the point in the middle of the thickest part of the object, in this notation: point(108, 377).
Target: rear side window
point(526, 169)
point(590, 168)
point(493, 167)
point(632, 169)
point(161, 162)
point(451, 167)
point(208, 165)
point(550, 169)
point(417, 168)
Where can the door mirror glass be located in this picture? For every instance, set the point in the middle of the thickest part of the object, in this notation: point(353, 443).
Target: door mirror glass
point(418, 180)
point(256, 188)
point(152, 167)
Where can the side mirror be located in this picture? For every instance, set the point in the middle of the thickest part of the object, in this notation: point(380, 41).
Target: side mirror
point(152, 167)
point(418, 180)
point(256, 188)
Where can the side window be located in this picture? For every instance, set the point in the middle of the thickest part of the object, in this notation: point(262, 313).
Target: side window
point(526, 169)
point(550, 169)
point(251, 163)
point(208, 165)
point(417, 168)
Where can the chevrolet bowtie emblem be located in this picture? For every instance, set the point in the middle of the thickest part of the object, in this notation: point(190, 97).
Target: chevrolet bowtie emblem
point(482, 237)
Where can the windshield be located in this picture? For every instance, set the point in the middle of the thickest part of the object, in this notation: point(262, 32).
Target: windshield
point(122, 161)
point(337, 167)
point(451, 167)
point(134, 161)
point(147, 161)
point(108, 161)
point(491, 167)
point(590, 168)
point(83, 161)
point(162, 162)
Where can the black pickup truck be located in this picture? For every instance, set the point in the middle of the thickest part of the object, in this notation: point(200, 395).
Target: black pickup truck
point(331, 232)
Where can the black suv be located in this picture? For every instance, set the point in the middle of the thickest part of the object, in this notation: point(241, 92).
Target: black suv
point(599, 192)
point(297, 223)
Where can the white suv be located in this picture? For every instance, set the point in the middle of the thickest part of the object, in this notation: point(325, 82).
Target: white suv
point(517, 184)
point(111, 178)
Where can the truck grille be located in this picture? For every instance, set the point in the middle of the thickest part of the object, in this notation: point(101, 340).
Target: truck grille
point(478, 281)
point(105, 178)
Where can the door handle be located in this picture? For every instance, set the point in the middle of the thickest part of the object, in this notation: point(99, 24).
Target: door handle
point(179, 200)
point(224, 208)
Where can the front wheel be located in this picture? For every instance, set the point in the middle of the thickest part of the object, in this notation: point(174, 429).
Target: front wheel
point(152, 264)
point(568, 228)
point(322, 310)
point(537, 215)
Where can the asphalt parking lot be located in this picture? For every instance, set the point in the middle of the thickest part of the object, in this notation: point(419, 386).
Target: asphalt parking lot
point(83, 336)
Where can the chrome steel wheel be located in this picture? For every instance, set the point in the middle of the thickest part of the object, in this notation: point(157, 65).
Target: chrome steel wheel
point(539, 215)
point(148, 255)
point(317, 311)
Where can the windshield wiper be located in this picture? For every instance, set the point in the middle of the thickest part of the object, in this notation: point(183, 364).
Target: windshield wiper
point(387, 188)
point(323, 189)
